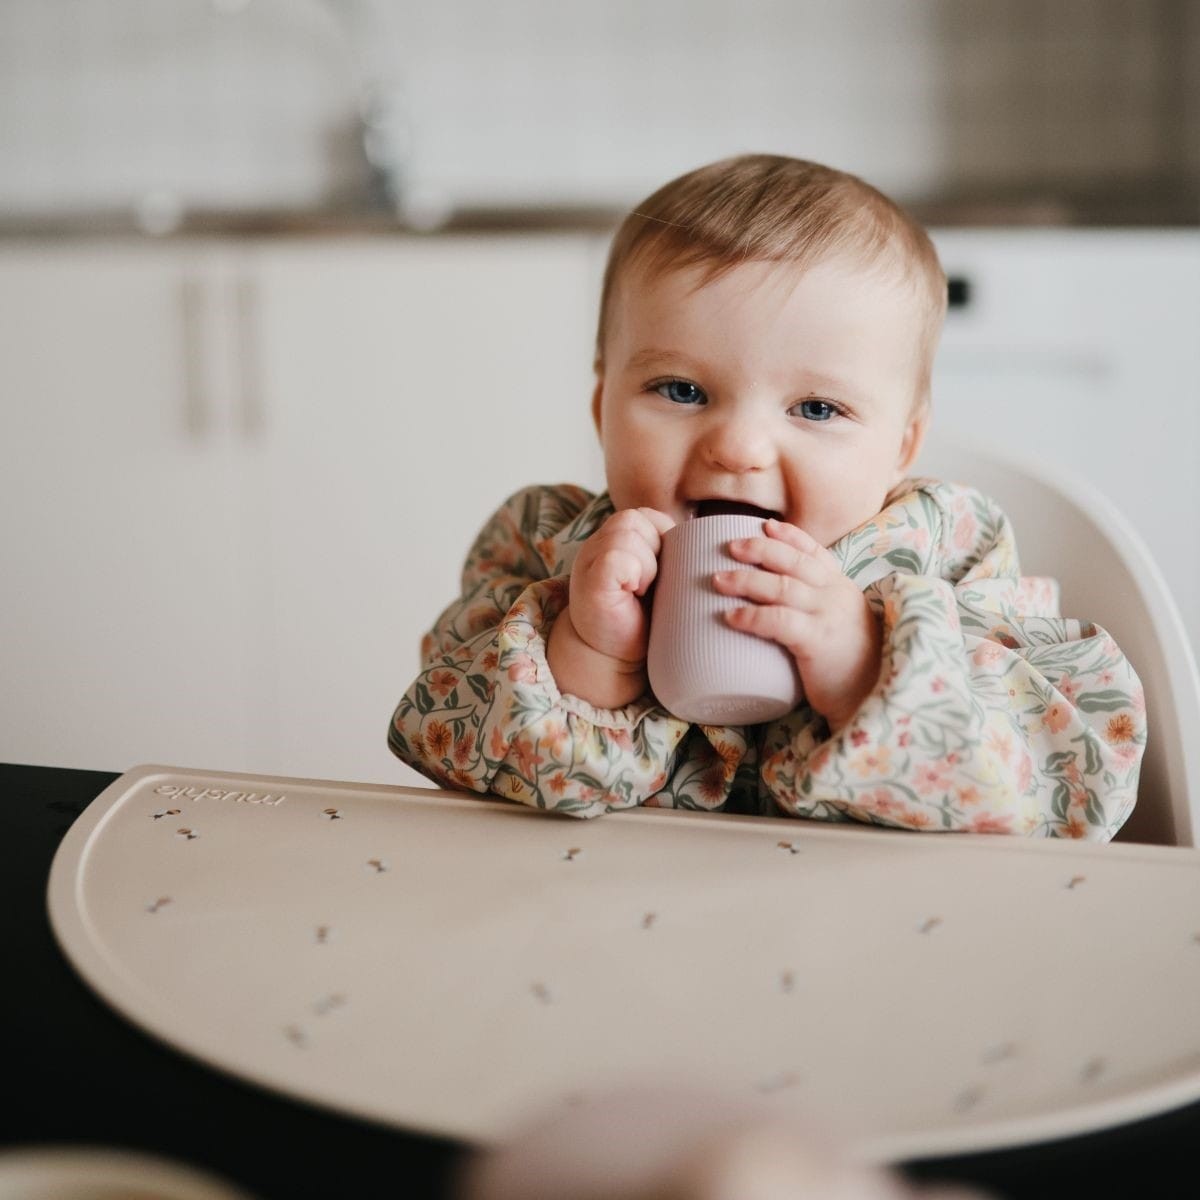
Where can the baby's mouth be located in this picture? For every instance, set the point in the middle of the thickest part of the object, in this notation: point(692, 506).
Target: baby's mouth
point(724, 508)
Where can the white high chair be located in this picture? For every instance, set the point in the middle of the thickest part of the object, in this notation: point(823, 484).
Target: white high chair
point(1067, 529)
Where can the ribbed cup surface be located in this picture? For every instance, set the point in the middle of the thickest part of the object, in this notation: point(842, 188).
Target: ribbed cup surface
point(702, 669)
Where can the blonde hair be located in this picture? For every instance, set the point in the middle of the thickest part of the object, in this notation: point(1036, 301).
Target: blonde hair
point(767, 207)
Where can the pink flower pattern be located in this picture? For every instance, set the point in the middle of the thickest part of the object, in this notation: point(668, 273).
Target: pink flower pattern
point(993, 713)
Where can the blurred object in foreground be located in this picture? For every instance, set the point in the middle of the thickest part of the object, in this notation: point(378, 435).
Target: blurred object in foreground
point(680, 1143)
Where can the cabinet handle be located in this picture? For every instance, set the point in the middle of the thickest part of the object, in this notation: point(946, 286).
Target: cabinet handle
point(253, 409)
point(195, 405)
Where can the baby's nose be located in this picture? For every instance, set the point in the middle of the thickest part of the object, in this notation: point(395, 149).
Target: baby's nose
point(739, 445)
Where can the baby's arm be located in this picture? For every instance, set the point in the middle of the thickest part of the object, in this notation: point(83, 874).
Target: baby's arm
point(487, 712)
point(990, 714)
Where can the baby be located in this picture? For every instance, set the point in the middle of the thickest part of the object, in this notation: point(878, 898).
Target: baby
point(766, 339)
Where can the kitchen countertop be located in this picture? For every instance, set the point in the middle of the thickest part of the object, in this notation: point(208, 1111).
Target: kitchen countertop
point(301, 223)
point(1166, 204)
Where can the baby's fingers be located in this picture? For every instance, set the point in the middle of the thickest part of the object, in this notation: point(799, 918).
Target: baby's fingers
point(801, 561)
point(793, 535)
point(646, 523)
point(624, 561)
point(788, 626)
point(659, 521)
point(803, 541)
point(766, 587)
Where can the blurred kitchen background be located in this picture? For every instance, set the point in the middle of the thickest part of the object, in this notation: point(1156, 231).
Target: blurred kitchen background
point(1043, 110)
point(293, 293)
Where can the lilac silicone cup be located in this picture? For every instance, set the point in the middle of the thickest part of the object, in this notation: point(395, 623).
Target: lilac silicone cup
point(702, 669)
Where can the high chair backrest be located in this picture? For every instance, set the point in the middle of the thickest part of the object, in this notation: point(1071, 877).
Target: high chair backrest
point(1067, 529)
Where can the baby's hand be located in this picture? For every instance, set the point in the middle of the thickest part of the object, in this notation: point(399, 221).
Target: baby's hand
point(803, 601)
point(609, 581)
point(597, 647)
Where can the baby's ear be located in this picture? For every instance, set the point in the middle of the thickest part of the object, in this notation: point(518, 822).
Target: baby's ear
point(913, 440)
point(596, 402)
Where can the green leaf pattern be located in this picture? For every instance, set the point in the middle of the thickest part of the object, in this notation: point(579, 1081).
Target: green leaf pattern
point(993, 713)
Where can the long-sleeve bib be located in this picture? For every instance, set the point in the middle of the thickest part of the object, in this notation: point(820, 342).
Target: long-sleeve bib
point(992, 713)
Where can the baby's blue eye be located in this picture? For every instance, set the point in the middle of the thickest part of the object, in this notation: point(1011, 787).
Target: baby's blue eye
point(816, 410)
point(679, 391)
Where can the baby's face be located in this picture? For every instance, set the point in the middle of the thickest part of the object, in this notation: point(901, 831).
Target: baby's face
point(784, 388)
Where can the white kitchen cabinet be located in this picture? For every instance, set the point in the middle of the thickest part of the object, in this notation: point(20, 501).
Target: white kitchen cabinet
point(239, 482)
point(1081, 349)
point(407, 388)
point(124, 636)
point(238, 478)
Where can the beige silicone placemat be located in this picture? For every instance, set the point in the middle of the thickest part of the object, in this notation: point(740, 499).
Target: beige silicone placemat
point(451, 964)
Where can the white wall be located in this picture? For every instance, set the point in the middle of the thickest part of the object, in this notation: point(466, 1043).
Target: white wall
point(255, 102)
